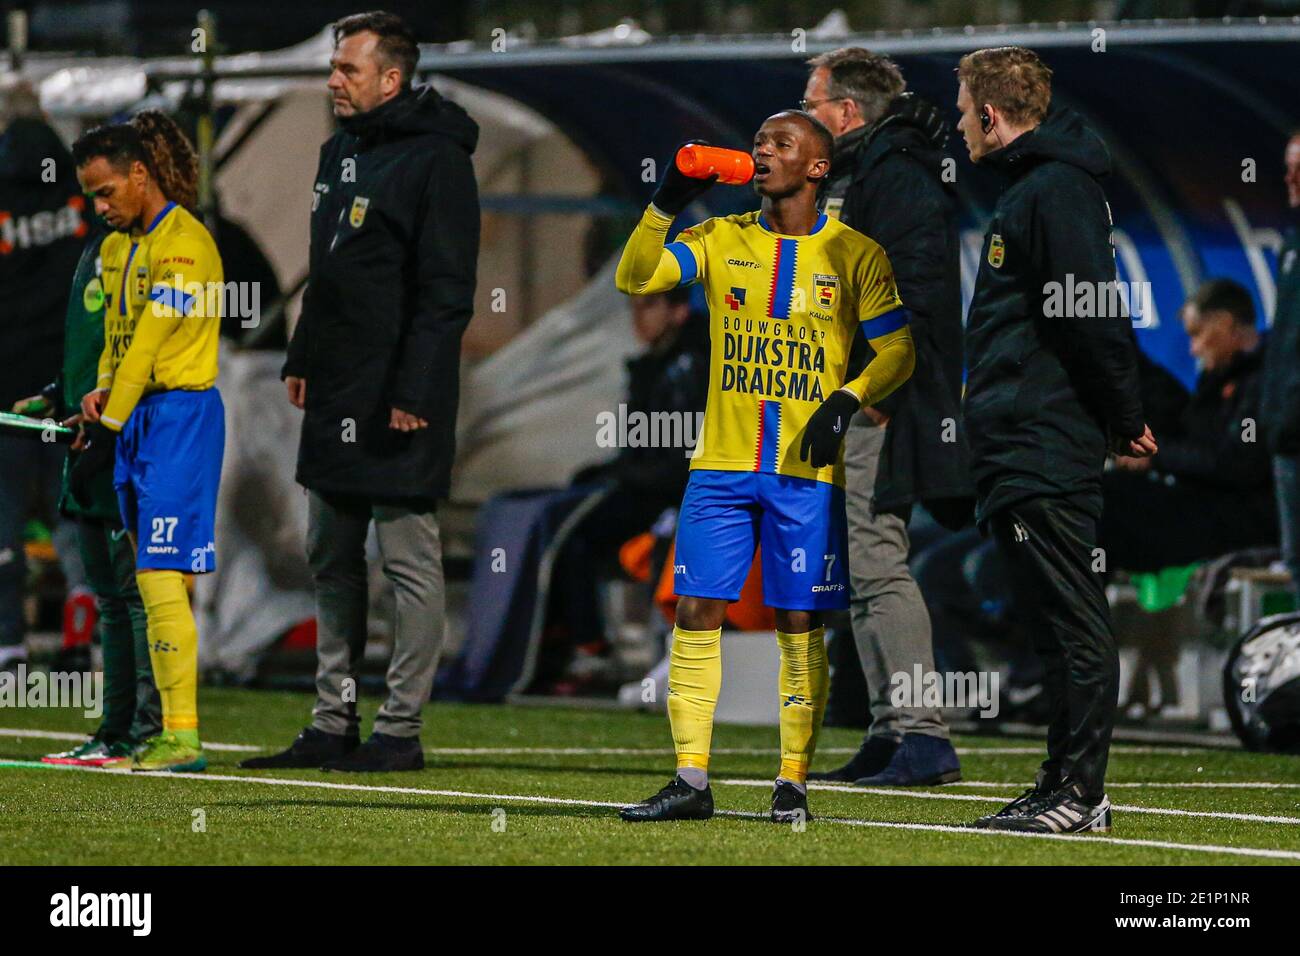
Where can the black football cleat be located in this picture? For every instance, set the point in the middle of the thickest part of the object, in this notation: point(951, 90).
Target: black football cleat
point(310, 748)
point(677, 801)
point(381, 753)
point(872, 757)
point(1064, 811)
point(1027, 802)
point(789, 804)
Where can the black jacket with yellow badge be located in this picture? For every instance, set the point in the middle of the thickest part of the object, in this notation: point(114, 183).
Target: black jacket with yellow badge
point(1044, 389)
point(394, 247)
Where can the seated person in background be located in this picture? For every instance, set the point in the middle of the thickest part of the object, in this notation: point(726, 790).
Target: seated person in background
point(642, 481)
point(1208, 490)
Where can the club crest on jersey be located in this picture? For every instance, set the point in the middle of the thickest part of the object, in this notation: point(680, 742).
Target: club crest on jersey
point(735, 298)
point(141, 281)
point(358, 214)
point(824, 288)
point(997, 251)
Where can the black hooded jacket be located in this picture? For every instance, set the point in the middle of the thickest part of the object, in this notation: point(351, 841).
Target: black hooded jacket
point(42, 229)
point(394, 247)
point(1045, 389)
point(890, 178)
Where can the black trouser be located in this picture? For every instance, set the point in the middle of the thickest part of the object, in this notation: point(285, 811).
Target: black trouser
point(1048, 546)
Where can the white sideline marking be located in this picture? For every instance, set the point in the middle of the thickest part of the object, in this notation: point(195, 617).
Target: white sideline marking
point(562, 801)
point(1187, 785)
point(66, 735)
point(611, 751)
point(926, 795)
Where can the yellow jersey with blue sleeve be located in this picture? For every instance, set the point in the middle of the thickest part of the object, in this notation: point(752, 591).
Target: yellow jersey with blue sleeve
point(162, 311)
point(783, 311)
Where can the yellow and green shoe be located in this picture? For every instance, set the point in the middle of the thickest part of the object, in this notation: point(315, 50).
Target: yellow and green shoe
point(171, 751)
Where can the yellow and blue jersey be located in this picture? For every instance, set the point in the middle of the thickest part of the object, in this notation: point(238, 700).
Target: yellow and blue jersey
point(783, 311)
point(162, 315)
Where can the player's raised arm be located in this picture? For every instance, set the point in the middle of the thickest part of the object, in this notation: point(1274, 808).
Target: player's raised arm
point(648, 264)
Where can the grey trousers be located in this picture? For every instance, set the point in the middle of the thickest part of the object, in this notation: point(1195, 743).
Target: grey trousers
point(412, 560)
point(891, 626)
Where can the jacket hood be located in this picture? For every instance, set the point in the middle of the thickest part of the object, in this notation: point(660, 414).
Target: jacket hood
point(911, 126)
point(416, 112)
point(1063, 137)
point(24, 148)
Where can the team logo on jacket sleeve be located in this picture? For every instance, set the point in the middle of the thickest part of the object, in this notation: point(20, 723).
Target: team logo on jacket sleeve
point(997, 251)
point(358, 214)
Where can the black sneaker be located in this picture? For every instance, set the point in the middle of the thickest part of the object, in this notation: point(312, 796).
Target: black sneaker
point(311, 748)
point(677, 801)
point(1027, 802)
point(1063, 812)
point(872, 757)
point(381, 753)
point(789, 804)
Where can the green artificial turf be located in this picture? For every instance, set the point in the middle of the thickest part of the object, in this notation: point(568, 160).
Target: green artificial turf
point(476, 809)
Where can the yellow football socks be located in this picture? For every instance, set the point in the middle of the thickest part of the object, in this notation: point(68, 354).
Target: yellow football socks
point(694, 680)
point(173, 648)
point(803, 683)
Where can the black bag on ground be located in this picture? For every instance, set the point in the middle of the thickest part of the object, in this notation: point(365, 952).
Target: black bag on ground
point(1261, 685)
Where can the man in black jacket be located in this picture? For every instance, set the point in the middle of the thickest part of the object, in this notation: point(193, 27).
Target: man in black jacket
point(42, 228)
point(374, 363)
point(887, 182)
point(1052, 386)
point(1282, 373)
point(1209, 489)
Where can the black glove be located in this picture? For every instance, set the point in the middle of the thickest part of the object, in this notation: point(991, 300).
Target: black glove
point(677, 190)
point(826, 428)
point(922, 114)
point(101, 445)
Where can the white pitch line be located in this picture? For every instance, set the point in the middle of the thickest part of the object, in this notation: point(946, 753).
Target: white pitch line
point(926, 795)
point(1187, 785)
point(66, 735)
point(563, 801)
point(616, 751)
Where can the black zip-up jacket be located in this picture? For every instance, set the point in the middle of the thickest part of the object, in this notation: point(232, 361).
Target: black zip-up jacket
point(890, 179)
point(1211, 447)
point(1282, 363)
point(394, 248)
point(1043, 391)
point(42, 229)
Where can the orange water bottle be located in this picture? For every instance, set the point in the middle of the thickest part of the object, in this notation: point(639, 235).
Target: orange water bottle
point(735, 168)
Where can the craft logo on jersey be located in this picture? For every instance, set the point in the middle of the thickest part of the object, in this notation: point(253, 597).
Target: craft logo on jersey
point(735, 298)
point(997, 251)
point(824, 287)
point(358, 214)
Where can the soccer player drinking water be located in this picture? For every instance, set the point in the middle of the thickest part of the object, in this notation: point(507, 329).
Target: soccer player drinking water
point(787, 291)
